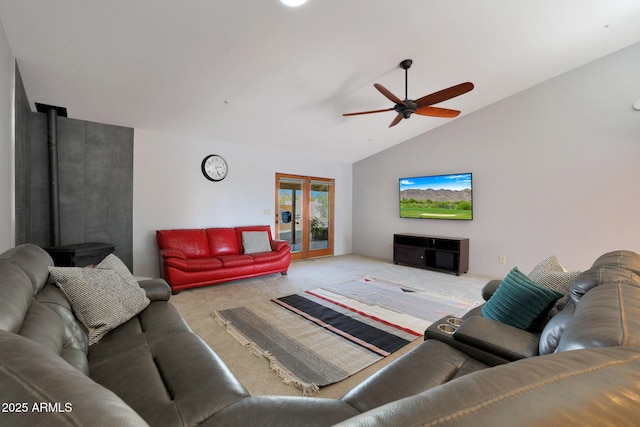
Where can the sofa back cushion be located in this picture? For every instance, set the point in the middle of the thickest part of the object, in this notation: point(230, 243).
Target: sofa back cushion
point(75, 345)
point(46, 317)
point(33, 260)
point(223, 241)
point(16, 294)
point(191, 241)
point(612, 267)
point(607, 315)
point(603, 319)
point(628, 260)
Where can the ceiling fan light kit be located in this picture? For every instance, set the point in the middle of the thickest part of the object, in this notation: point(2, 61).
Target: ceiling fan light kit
point(422, 106)
point(293, 3)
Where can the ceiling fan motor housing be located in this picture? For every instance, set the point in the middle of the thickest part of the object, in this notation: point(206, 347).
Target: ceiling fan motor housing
point(406, 64)
point(407, 109)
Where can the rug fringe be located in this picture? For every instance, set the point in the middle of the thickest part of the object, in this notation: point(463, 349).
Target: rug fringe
point(288, 378)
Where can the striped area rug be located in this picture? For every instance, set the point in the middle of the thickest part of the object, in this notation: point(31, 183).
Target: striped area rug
point(325, 335)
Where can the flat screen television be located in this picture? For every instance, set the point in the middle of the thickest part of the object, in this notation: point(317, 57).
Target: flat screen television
point(437, 197)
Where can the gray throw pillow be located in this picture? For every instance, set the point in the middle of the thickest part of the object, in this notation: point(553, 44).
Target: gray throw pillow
point(255, 242)
point(550, 273)
point(102, 298)
point(112, 262)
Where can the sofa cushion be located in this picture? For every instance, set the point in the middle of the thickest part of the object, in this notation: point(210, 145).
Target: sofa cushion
point(255, 242)
point(236, 260)
point(76, 340)
point(628, 260)
point(192, 242)
point(163, 370)
point(519, 301)
point(222, 241)
point(424, 367)
point(597, 387)
point(102, 298)
point(607, 315)
point(33, 260)
point(199, 264)
point(32, 374)
point(285, 411)
point(601, 274)
point(262, 257)
point(16, 294)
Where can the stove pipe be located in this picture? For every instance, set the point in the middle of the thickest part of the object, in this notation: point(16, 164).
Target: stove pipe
point(54, 188)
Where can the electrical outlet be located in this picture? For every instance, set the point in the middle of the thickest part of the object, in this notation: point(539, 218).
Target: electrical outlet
point(502, 259)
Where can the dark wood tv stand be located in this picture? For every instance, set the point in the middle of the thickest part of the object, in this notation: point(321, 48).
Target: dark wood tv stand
point(440, 253)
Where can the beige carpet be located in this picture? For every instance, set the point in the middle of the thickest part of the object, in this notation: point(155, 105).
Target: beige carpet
point(196, 305)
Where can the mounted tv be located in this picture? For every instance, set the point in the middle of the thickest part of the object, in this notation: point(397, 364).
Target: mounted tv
point(437, 197)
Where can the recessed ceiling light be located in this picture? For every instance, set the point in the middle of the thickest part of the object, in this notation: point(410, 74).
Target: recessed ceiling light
point(293, 3)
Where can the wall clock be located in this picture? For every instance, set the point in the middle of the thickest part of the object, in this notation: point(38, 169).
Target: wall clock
point(214, 167)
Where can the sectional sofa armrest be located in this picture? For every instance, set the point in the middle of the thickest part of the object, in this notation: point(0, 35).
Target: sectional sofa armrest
point(489, 289)
point(278, 245)
point(284, 411)
point(156, 289)
point(497, 338)
point(172, 253)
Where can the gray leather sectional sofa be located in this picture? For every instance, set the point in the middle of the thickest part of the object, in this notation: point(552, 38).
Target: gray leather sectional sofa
point(153, 370)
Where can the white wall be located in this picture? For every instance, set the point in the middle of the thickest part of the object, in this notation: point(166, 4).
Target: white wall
point(170, 192)
point(7, 193)
point(556, 170)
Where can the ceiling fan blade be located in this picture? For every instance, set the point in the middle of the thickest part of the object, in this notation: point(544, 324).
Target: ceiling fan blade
point(368, 112)
point(390, 96)
point(444, 94)
point(437, 112)
point(396, 120)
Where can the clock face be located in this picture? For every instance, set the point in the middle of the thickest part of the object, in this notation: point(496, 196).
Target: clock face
point(214, 167)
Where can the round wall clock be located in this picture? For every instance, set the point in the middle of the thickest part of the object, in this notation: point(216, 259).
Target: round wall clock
point(214, 167)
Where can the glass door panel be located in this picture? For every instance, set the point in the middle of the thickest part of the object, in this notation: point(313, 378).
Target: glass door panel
point(304, 214)
point(290, 212)
point(320, 220)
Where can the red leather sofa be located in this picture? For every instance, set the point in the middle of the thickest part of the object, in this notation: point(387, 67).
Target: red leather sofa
point(204, 256)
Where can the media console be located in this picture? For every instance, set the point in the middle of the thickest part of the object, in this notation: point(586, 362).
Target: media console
point(448, 254)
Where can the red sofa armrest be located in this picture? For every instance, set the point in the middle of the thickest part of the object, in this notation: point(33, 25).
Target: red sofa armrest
point(172, 253)
point(278, 245)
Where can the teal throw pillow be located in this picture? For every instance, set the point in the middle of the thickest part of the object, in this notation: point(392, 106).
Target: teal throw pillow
point(519, 301)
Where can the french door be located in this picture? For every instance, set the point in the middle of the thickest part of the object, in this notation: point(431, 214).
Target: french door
point(304, 214)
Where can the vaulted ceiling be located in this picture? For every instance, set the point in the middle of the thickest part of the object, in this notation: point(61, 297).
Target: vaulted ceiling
point(257, 73)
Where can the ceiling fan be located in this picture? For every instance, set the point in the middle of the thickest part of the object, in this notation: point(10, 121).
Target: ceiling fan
point(422, 106)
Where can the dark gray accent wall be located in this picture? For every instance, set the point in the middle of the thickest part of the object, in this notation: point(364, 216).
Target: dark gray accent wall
point(39, 223)
point(22, 161)
point(95, 165)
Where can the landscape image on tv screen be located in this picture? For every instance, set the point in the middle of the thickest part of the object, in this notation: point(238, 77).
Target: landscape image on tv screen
point(437, 197)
